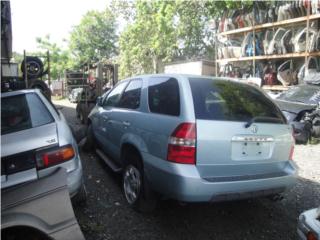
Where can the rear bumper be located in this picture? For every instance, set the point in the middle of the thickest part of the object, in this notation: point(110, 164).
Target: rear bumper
point(183, 183)
point(21, 204)
point(75, 180)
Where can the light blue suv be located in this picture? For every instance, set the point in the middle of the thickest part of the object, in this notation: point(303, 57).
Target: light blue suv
point(193, 139)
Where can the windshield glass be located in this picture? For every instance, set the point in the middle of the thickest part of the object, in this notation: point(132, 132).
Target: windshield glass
point(230, 101)
point(305, 93)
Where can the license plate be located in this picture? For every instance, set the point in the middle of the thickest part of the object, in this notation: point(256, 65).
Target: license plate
point(251, 148)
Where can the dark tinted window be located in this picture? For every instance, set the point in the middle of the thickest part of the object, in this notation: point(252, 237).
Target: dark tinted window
point(22, 112)
point(114, 96)
point(164, 96)
point(131, 95)
point(231, 101)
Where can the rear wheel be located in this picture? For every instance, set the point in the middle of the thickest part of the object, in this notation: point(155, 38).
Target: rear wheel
point(135, 186)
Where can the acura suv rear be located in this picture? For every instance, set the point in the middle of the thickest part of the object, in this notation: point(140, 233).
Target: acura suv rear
point(193, 139)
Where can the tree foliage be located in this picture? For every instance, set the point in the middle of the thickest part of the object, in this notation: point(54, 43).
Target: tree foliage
point(59, 58)
point(95, 37)
point(163, 31)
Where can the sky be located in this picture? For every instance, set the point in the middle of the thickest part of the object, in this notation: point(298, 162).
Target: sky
point(37, 18)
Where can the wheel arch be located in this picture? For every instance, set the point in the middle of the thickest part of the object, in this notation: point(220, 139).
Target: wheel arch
point(129, 148)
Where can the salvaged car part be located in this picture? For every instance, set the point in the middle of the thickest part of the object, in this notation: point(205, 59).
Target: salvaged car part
point(286, 75)
point(285, 43)
point(300, 105)
point(269, 74)
point(299, 40)
point(41, 209)
point(309, 224)
point(275, 43)
point(247, 47)
point(311, 73)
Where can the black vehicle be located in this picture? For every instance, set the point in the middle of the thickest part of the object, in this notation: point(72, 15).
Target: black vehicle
point(300, 105)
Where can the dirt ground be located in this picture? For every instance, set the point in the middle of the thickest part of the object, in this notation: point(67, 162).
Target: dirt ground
point(107, 216)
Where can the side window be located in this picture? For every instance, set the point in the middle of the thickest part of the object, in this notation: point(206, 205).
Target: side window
point(131, 95)
point(163, 96)
point(114, 96)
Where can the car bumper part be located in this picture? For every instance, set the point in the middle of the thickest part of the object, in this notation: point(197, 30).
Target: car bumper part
point(183, 182)
point(44, 205)
point(308, 223)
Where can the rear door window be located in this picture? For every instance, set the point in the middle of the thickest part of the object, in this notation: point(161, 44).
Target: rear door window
point(23, 112)
point(230, 101)
point(163, 96)
point(131, 96)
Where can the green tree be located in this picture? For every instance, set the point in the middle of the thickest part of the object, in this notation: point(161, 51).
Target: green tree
point(163, 31)
point(150, 40)
point(59, 58)
point(95, 37)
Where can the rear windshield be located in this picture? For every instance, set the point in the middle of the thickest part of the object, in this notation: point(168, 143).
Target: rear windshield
point(230, 101)
point(23, 112)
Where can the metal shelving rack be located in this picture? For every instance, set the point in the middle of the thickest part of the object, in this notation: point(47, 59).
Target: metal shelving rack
point(265, 26)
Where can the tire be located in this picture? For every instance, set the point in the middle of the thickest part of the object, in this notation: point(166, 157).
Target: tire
point(135, 186)
point(42, 86)
point(89, 143)
point(81, 197)
point(34, 67)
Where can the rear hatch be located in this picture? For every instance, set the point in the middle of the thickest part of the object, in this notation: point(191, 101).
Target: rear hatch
point(26, 126)
point(241, 134)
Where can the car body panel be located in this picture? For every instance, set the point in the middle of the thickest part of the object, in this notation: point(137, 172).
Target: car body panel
point(43, 205)
point(309, 221)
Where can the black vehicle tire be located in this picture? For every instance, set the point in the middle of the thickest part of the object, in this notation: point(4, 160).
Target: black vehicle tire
point(34, 67)
point(136, 189)
point(81, 197)
point(42, 86)
point(89, 143)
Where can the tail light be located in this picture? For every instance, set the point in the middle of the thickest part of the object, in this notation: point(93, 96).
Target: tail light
point(182, 144)
point(311, 236)
point(50, 157)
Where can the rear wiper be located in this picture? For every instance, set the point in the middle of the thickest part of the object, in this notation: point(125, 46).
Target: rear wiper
point(262, 119)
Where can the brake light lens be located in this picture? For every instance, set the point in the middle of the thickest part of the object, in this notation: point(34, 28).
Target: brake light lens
point(54, 156)
point(311, 236)
point(182, 144)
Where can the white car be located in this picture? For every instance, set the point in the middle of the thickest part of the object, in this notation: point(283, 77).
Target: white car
point(309, 225)
point(35, 141)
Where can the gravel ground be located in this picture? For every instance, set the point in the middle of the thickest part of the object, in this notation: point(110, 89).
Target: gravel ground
point(107, 216)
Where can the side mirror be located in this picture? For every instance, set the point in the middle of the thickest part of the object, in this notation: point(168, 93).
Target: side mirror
point(99, 101)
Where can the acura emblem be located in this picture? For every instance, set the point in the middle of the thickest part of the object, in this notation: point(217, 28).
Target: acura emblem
point(254, 128)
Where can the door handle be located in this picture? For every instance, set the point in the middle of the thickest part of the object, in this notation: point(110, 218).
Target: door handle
point(126, 123)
